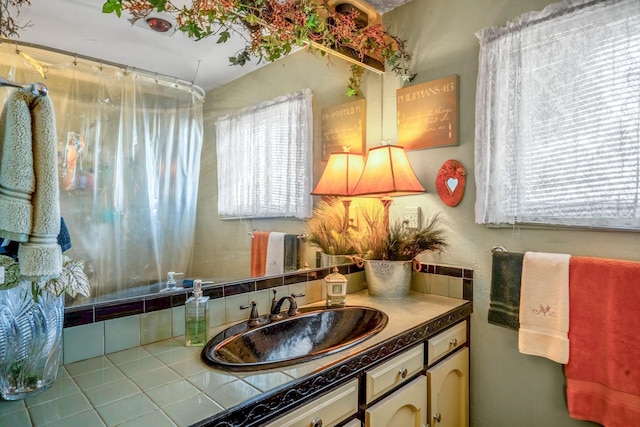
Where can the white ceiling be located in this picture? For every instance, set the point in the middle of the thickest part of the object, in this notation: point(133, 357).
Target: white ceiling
point(79, 27)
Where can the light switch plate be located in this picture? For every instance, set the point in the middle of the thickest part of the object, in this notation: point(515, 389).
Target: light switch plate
point(412, 217)
point(1, 275)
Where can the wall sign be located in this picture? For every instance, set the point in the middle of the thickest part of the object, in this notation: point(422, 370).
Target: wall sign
point(428, 114)
point(344, 125)
point(450, 182)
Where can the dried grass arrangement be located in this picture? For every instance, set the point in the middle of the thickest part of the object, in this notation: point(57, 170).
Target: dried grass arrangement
point(325, 227)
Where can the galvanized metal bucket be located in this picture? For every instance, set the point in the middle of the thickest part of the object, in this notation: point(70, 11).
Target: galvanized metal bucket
point(388, 279)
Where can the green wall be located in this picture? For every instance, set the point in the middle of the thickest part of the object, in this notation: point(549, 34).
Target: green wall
point(508, 389)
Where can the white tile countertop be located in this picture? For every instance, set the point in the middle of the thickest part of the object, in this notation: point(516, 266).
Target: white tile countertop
point(167, 384)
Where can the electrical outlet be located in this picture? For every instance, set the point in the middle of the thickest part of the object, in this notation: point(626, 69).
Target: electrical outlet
point(412, 217)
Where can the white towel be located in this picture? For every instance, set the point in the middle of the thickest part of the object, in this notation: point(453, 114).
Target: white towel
point(275, 254)
point(29, 195)
point(544, 306)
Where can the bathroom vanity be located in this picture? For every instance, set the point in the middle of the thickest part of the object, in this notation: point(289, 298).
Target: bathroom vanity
point(415, 369)
point(414, 372)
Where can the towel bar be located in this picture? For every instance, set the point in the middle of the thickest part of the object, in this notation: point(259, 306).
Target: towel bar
point(299, 236)
point(37, 89)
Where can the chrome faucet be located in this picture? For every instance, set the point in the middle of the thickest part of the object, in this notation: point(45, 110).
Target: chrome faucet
point(277, 305)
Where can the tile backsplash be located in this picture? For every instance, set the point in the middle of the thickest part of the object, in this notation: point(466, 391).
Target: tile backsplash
point(100, 329)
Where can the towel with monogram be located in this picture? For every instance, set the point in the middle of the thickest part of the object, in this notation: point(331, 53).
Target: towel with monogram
point(544, 306)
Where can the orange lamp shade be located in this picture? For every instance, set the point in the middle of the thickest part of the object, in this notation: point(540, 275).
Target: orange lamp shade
point(387, 172)
point(340, 176)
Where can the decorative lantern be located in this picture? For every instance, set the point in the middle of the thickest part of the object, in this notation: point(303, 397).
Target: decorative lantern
point(336, 289)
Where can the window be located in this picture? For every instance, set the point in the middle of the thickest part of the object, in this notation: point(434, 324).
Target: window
point(558, 117)
point(265, 158)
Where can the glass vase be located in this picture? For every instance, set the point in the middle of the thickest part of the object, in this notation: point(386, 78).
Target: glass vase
point(31, 321)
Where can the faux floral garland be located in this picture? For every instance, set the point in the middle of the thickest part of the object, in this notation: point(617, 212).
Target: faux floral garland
point(276, 26)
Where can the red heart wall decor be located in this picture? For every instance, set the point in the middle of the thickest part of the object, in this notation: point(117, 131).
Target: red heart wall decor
point(450, 182)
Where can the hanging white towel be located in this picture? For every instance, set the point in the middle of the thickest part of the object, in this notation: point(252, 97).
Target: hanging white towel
point(275, 254)
point(29, 195)
point(544, 306)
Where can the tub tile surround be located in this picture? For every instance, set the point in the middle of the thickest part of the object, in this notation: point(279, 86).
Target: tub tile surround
point(167, 384)
point(91, 313)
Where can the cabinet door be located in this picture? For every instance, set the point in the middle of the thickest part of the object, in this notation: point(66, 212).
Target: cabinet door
point(407, 407)
point(449, 391)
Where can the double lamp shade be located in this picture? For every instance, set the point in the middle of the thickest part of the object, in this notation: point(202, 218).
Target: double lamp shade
point(386, 173)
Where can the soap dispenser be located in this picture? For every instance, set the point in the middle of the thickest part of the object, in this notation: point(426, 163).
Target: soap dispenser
point(196, 317)
point(171, 282)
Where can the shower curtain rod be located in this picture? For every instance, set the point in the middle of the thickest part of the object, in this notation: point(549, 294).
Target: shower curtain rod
point(105, 62)
point(38, 89)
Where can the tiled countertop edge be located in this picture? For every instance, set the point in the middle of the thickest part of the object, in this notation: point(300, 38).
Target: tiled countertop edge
point(278, 401)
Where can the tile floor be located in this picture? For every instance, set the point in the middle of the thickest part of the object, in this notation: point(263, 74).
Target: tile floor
point(159, 384)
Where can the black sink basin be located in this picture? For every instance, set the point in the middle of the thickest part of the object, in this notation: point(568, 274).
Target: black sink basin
point(313, 333)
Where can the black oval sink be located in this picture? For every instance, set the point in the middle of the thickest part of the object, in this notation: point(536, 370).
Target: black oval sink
point(313, 333)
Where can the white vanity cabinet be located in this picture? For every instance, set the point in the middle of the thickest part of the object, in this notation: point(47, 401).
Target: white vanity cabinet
point(326, 411)
point(448, 380)
point(426, 385)
point(441, 398)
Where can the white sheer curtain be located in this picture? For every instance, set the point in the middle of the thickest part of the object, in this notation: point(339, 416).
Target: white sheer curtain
point(265, 156)
point(558, 117)
point(129, 158)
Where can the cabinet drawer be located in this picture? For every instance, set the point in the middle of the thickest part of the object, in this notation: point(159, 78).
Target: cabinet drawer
point(393, 372)
point(328, 410)
point(354, 423)
point(445, 342)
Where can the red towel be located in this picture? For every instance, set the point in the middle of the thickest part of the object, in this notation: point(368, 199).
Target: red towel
point(603, 373)
point(259, 253)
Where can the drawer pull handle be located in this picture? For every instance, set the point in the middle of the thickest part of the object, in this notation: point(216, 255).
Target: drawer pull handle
point(437, 417)
point(403, 373)
point(453, 342)
point(316, 422)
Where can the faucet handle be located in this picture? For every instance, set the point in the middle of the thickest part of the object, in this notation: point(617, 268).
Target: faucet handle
point(293, 305)
point(254, 317)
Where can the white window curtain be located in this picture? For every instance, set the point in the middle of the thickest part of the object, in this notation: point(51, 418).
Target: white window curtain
point(265, 156)
point(558, 115)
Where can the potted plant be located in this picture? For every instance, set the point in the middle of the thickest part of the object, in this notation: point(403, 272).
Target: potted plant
point(389, 255)
point(325, 228)
point(31, 320)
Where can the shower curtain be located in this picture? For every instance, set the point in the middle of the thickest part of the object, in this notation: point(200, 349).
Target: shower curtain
point(129, 146)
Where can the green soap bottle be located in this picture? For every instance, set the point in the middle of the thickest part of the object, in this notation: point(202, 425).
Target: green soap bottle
point(196, 317)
